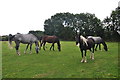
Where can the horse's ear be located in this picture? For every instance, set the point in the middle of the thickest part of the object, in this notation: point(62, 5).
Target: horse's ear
point(79, 34)
point(10, 34)
point(76, 33)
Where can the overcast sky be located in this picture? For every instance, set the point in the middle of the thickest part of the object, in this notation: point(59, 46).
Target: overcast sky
point(25, 15)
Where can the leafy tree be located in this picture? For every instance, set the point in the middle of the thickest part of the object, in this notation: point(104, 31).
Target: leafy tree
point(88, 24)
point(112, 25)
point(36, 33)
point(59, 25)
point(66, 25)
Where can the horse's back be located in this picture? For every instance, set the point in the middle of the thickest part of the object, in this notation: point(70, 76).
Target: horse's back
point(96, 39)
point(50, 39)
point(26, 38)
point(91, 42)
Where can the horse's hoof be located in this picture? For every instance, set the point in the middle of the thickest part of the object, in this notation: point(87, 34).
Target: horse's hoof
point(18, 54)
point(85, 61)
point(92, 58)
point(82, 61)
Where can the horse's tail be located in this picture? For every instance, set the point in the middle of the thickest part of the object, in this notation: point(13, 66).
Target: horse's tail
point(105, 46)
point(10, 39)
point(59, 45)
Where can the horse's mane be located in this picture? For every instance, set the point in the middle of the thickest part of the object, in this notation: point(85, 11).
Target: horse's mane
point(84, 40)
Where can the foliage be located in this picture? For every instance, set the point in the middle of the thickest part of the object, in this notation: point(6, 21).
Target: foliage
point(112, 25)
point(4, 38)
point(65, 25)
point(36, 33)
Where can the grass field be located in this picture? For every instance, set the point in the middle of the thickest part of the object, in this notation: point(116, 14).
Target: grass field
point(55, 64)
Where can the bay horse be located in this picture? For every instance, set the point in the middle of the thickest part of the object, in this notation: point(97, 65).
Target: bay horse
point(84, 45)
point(98, 41)
point(50, 39)
point(28, 39)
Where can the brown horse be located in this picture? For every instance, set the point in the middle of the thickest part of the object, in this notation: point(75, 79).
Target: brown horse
point(50, 39)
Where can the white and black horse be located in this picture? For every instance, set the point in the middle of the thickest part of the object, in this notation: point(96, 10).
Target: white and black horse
point(98, 41)
point(28, 39)
point(84, 45)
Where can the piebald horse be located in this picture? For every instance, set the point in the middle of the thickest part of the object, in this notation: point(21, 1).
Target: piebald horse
point(84, 45)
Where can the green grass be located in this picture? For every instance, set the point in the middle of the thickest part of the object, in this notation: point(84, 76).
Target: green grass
point(55, 64)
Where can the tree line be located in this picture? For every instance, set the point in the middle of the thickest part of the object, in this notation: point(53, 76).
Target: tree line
point(66, 25)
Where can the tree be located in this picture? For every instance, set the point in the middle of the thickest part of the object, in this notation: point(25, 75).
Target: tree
point(88, 24)
point(36, 33)
point(112, 25)
point(59, 25)
point(65, 25)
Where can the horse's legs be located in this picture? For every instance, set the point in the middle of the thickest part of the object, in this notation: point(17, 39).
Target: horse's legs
point(26, 48)
point(85, 60)
point(96, 47)
point(44, 45)
point(41, 44)
point(92, 54)
point(58, 43)
point(52, 46)
point(17, 47)
point(82, 56)
point(99, 47)
point(30, 48)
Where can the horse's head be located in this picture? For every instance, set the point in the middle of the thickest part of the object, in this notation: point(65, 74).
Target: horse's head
point(105, 47)
point(37, 47)
point(10, 39)
point(80, 39)
point(77, 39)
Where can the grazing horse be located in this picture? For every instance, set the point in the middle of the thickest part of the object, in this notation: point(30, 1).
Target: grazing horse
point(28, 39)
point(50, 39)
point(98, 41)
point(84, 45)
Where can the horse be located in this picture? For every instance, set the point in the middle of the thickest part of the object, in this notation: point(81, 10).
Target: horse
point(98, 41)
point(84, 45)
point(28, 39)
point(50, 39)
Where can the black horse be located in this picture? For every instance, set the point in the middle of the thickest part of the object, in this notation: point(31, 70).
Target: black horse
point(28, 39)
point(50, 39)
point(84, 45)
point(98, 41)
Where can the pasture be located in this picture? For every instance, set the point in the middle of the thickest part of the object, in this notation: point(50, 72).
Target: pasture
point(55, 64)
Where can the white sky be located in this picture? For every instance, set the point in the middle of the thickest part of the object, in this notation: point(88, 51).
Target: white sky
point(25, 15)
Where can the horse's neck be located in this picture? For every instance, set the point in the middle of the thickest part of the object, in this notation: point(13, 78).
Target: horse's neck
point(84, 40)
